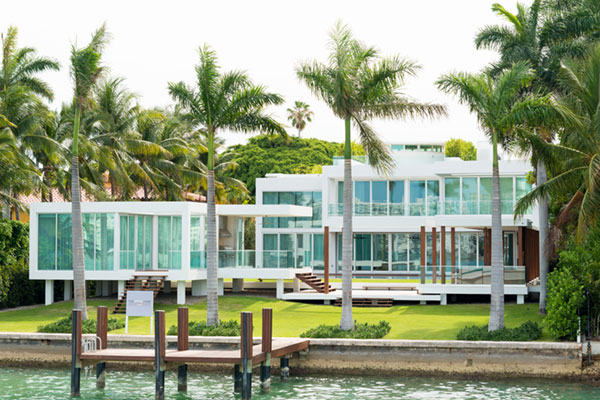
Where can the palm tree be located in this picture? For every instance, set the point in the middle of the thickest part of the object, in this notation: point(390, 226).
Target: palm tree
point(86, 69)
point(300, 115)
point(579, 175)
point(359, 85)
point(503, 112)
point(222, 101)
point(527, 38)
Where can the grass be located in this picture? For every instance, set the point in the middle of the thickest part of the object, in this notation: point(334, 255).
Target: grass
point(291, 319)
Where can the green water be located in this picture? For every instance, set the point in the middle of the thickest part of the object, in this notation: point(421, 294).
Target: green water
point(41, 384)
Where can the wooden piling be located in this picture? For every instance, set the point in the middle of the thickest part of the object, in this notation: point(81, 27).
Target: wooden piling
point(101, 332)
point(159, 353)
point(246, 355)
point(267, 344)
point(183, 332)
point(75, 353)
point(284, 368)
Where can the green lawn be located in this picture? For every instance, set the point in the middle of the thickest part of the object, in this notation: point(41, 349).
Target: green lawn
point(291, 319)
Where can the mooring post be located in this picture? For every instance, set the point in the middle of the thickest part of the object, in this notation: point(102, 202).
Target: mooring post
point(159, 352)
point(267, 345)
point(284, 368)
point(101, 333)
point(183, 331)
point(75, 353)
point(246, 350)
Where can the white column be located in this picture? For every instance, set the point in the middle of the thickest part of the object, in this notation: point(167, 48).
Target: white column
point(49, 292)
point(117, 242)
point(185, 239)
point(120, 288)
point(220, 288)
point(443, 299)
point(181, 292)
point(68, 292)
point(279, 290)
point(237, 285)
point(296, 285)
point(520, 299)
point(199, 288)
point(105, 288)
point(167, 287)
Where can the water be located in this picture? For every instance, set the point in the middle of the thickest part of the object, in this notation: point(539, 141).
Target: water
point(22, 383)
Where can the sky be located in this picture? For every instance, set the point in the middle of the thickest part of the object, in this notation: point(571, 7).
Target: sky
point(156, 42)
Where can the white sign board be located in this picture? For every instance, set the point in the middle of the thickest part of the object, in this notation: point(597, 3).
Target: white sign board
point(140, 303)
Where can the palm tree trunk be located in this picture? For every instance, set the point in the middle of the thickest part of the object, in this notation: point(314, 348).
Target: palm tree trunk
point(347, 322)
point(543, 217)
point(212, 295)
point(77, 227)
point(497, 286)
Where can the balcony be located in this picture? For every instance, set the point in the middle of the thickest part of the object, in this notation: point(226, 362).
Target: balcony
point(248, 259)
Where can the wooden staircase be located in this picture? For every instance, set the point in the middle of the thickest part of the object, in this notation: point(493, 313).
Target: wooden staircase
point(314, 282)
point(143, 282)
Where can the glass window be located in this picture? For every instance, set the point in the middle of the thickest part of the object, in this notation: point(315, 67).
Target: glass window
point(468, 249)
point(169, 242)
point(509, 249)
point(317, 209)
point(318, 253)
point(399, 251)
point(46, 241)
point(340, 192)
point(126, 241)
point(303, 199)
point(286, 250)
point(88, 221)
point(433, 197)
point(452, 196)
point(417, 197)
point(481, 247)
point(287, 198)
point(197, 254)
point(412, 147)
point(469, 195)
point(396, 197)
point(64, 246)
point(380, 197)
point(362, 246)
point(362, 197)
point(397, 147)
point(144, 242)
point(270, 198)
point(380, 252)
point(303, 250)
point(414, 251)
point(521, 189)
point(270, 251)
point(506, 195)
point(485, 195)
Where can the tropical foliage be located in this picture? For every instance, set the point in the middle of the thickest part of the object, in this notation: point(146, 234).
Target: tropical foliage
point(300, 115)
point(460, 148)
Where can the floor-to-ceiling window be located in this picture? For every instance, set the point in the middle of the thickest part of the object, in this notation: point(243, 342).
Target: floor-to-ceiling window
point(417, 198)
point(362, 198)
point(397, 198)
point(452, 196)
point(197, 242)
point(169, 242)
point(379, 195)
point(307, 199)
point(135, 242)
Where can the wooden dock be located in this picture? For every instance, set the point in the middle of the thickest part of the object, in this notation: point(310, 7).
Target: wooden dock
point(95, 351)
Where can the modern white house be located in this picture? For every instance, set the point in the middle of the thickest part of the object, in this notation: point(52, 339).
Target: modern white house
point(426, 222)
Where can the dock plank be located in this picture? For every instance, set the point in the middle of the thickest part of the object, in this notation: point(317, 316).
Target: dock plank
point(282, 347)
point(120, 355)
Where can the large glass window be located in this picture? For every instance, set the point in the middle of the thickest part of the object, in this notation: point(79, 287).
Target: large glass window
point(521, 189)
point(433, 197)
point(380, 252)
point(468, 249)
point(270, 198)
point(469, 195)
point(98, 241)
point(509, 248)
point(399, 251)
point(303, 250)
point(286, 253)
point(64, 246)
point(287, 198)
point(485, 195)
point(306, 199)
point(318, 253)
point(414, 251)
point(197, 245)
point(506, 195)
point(169, 242)
point(362, 247)
point(127, 242)
point(46, 241)
point(362, 197)
point(396, 197)
point(417, 197)
point(270, 246)
point(317, 209)
point(452, 196)
point(380, 198)
point(303, 199)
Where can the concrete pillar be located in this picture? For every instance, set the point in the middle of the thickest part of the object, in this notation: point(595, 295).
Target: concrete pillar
point(237, 285)
point(181, 292)
point(120, 288)
point(105, 288)
point(167, 287)
point(98, 288)
point(199, 288)
point(279, 291)
point(423, 302)
point(296, 285)
point(68, 292)
point(443, 299)
point(520, 299)
point(49, 292)
point(220, 287)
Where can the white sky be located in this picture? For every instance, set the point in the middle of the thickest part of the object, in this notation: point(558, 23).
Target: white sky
point(154, 42)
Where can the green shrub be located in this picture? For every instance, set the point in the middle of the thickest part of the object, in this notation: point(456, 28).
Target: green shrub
point(578, 270)
point(525, 333)
point(64, 325)
point(360, 331)
point(225, 328)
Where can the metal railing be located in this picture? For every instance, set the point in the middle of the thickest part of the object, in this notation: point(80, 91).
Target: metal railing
point(249, 259)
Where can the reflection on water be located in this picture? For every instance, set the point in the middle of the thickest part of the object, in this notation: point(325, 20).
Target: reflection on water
point(23, 383)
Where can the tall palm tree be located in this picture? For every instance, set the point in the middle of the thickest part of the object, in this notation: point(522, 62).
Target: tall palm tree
point(86, 69)
point(526, 38)
point(222, 101)
point(359, 85)
point(503, 113)
point(300, 115)
point(579, 175)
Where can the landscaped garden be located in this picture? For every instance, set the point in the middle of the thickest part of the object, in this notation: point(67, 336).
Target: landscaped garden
point(430, 322)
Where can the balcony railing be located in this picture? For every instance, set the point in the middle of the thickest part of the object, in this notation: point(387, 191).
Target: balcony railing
point(248, 259)
point(431, 208)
